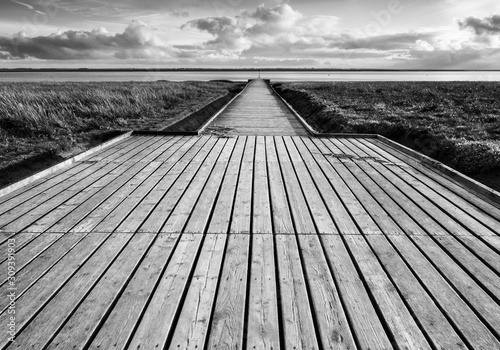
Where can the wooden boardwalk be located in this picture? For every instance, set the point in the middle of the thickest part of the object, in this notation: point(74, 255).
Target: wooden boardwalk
point(257, 111)
point(250, 242)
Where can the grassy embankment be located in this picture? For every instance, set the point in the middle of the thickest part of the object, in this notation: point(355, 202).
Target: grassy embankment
point(457, 123)
point(56, 120)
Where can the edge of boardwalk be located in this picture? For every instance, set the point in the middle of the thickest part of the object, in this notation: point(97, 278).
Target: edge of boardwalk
point(209, 121)
point(468, 182)
point(294, 112)
point(26, 181)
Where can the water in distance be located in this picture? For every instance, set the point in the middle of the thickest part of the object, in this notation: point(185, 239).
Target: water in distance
point(87, 76)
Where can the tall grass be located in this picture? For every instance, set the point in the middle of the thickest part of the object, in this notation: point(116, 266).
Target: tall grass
point(455, 122)
point(37, 117)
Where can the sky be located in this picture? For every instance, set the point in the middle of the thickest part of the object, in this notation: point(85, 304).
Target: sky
point(346, 34)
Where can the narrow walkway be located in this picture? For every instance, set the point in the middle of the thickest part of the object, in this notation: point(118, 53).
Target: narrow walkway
point(257, 111)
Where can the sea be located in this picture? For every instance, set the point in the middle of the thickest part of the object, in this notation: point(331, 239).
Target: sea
point(88, 76)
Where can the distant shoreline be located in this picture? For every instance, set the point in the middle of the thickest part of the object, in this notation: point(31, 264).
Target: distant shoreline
point(91, 70)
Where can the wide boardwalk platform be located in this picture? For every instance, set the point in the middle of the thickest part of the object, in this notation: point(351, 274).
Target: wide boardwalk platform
point(257, 111)
point(250, 242)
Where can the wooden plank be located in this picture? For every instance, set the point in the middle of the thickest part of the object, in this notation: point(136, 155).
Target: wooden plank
point(199, 169)
point(282, 218)
point(303, 221)
point(296, 313)
point(439, 331)
point(339, 145)
point(83, 219)
point(447, 187)
point(36, 268)
point(258, 102)
point(106, 220)
point(320, 214)
point(368, 178)
point(464, 319)
point(117, 329)
point(81, 323)
point(192, 327)
point(366, 325)
point(397, 195)
point(436, 176)
point(478, 299)
point(67, 215)
point(24, 254)
point(197, 216)
point(42, 218)
point(241, 219)
point(221, 217)
point(403, 329)
point(37, 327)
point(361, 217)
point(41, 176)
point(338, 212)
point(25, 214)
point(50, 272)
point(158, 319)
point(164, 194)
point(26, 193)
point(456, 199)
point(22, 239)
point(486, 193)
point(382, 219)
point(263, 320)
point(486, 250)
point(481, 271)
point(332, 325)
point(452, 227)
point(261, 218)
point(228, 319)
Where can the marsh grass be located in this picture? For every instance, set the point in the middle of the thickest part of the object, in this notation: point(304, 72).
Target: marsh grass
point(457, 123)
point(55, 117)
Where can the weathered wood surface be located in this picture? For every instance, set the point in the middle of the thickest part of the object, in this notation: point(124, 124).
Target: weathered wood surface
point(250, 242)
point(257, 111)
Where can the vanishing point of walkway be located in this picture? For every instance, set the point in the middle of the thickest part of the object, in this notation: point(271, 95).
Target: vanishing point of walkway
point(257, 111)
point(249, 242)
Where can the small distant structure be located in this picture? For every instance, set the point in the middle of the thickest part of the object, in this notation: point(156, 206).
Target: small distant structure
point(259, 73)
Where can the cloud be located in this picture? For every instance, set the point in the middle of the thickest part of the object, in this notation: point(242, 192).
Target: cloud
point(487, 25)
point(383, 42)
point(281, 32)
point(228, 32)
point(278, 27)
point(265, 35)
point(5, 55)
point(135, 42)
point(28, 6)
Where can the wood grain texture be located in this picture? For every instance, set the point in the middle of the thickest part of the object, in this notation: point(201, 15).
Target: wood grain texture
point(263, 319)
point(192, 326)
point(228, 320)
point(221, 217)
point(158, 319)
point(241, 220)
point(298, 326)
point(274, 242)
point(118, 328)
point(257, 111)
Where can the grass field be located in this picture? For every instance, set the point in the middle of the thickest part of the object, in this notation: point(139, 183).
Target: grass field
point(457, 123)
point(67, 117)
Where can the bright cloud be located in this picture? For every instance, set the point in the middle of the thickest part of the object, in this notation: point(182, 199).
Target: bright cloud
point(136, 41)
point(488, 25)
point(269, 34)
